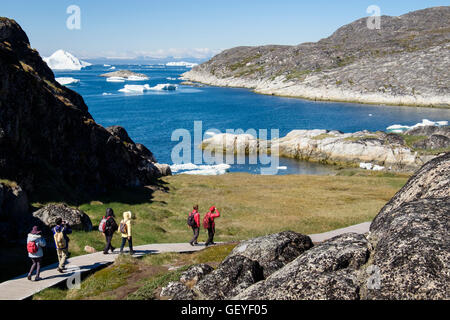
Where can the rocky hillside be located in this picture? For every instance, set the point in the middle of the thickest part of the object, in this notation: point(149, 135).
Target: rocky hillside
point(405, 62)
point(405, 256)
point(48, 137)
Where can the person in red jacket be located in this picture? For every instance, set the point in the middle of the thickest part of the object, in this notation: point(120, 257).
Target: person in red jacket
point(196, 225)
point(210, 216)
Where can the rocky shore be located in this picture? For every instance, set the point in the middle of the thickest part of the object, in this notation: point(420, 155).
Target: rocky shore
point(406, 255)
point(390, 151)
point(406, 63)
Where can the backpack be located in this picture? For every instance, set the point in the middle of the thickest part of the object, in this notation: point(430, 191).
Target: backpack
point(111, 225)
point(207, 222)
point(191, 221)
point(123, 228)
point(60, 241)
point(102, 225)
point(32, 247)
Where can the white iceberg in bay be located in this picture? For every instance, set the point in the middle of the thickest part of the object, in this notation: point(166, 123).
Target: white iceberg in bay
point(137, 78)
point(398, 128)
point(64, 81)
point(116, 79)
point(164, 87)
point(62, 60)
point(181, 64)
point(203, 170)
point(134, 88)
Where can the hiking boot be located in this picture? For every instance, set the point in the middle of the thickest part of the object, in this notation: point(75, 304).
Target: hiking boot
point(29, 277)
point(132, 252)
point(105, 252)
point(60, 270)
point(112, 249)
point(191, 243)
point(37, 279)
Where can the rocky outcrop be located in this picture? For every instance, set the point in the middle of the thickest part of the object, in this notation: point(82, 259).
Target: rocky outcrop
point(333, 147)
point(47, 136)
point(250, 262)
point(274, 251)
point(77, 219)
point(327, 271)
point(412, 251)
point(14, 212)
point(402, 65)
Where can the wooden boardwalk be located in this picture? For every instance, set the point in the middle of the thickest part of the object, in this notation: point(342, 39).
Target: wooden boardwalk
point(21, 288)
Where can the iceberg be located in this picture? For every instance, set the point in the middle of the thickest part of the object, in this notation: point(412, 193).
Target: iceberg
point(203, 170)
point(181, 64)
point(164, 87)
point(64, 81)
point(130, 88)
point(62, 60)
point(137, 78)
point(115, 79)
point(369, 166)
point(398, 128)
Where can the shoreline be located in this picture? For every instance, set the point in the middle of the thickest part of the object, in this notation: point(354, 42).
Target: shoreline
point(279, 88)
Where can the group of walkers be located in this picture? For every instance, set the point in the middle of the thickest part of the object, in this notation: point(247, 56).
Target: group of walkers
point(108, 226)
point(208, 223)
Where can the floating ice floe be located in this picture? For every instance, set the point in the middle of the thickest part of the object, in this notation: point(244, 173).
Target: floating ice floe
point(137, 78)
point(181, 64)
point(370, 166)
point(171, 79)
point(107, 94)
point(398, 128)
point(62, 60)
point(282, 168)
point(164, 87)
point(204, 170)
point(64, 81)
point(107, 65)
point(115, 79)
point(129, 88)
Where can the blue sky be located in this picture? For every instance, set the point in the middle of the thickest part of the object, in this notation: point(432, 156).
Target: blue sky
point(183, 28)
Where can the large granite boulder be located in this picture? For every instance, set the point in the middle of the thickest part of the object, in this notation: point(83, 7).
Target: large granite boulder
point(233, 275)
point(77, 219)
point(273, 251)
point(428, 131)
point(327, 271)
point(410, 238)
point(252, 261)
point(177, 291)
point(435, 142)
point(195, 273)
point(412, 252)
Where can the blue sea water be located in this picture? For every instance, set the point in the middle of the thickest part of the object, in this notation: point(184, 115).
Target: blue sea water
point(151, 117)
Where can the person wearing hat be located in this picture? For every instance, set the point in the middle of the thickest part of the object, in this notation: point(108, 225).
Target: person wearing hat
point(110, 228)
point(210, 216)
point(35, 243)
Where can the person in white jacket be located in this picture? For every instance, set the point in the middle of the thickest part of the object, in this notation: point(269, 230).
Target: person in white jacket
point(35, 243)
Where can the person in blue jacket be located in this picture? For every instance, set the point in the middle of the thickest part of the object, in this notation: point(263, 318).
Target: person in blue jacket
point(60, 232)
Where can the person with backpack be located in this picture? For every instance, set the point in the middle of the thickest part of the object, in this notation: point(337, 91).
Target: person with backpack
point(35, 243)
point(194, 222)
point(125, 231)
point(110, 226)
point(60, 232)
point(210, 225)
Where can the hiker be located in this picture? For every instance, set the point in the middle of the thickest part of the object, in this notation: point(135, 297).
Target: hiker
point(194, 223)
point(60, 233)
point(125, 230)
point(110, 226)
point(210, 225)
point(35, 243)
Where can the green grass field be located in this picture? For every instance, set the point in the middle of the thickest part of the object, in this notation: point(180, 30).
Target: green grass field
point(250, 206)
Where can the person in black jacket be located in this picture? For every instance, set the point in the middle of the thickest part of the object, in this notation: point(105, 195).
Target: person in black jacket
point(110, 228)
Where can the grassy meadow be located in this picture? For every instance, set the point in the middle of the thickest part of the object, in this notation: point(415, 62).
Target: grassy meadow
point(250, 205)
